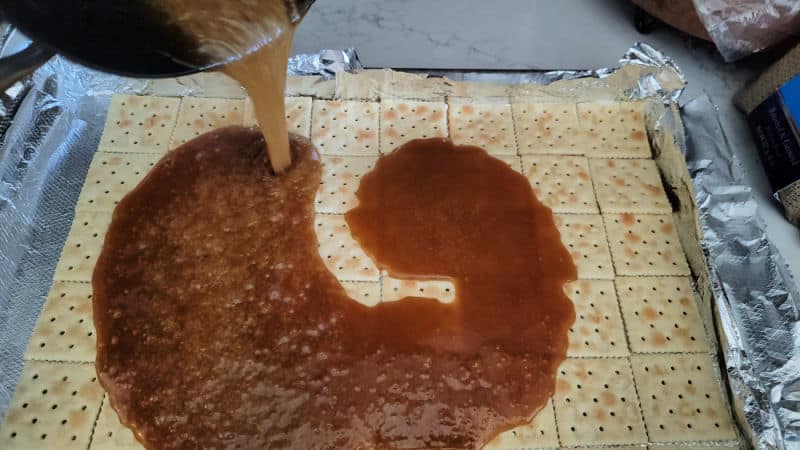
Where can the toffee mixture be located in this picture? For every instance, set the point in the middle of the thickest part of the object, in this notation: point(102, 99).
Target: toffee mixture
point(219, 326)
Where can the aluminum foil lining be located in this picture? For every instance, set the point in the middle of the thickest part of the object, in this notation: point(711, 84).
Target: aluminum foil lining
point(326, 63)
point(53, 124)
point(652, 84)
point(756, 301)
point(743, 27)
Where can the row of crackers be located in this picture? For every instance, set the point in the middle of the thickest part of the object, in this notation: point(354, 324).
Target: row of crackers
point(569, 169)
point(601, 130)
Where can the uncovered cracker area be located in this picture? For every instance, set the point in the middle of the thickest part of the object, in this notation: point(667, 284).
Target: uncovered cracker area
point(640, 370)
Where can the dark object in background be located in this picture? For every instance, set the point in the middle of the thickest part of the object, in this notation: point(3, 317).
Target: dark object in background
point(126, 37)
point(772, 105)
point(681, 14)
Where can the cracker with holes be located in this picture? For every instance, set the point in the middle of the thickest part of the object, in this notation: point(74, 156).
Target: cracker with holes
point(598, 329)
point(200, 115)
point(645, 244)
point(298, 115)
point(83, 246)
point(681, 400)
point(402, 121)
point(65, 331)
point(368, 293)
point(110, 434)
point(110, 177)
point(661, 314)
point(629, 185)
point(345, 127)
point(397, 289)
point(613, 130)
point(486, 125)
point(139, 124)
point(562, 183)
point(539, 433)
point(596, 403)
point(340, 178)
point(54, 407)
point(340, 252)
point(585, 238)
point(547, 128)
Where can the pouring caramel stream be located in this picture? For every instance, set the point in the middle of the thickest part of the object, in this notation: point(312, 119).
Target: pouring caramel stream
point(253, 38)
point(263, 75)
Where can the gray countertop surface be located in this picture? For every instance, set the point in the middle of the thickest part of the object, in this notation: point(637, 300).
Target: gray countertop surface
point(543, 35)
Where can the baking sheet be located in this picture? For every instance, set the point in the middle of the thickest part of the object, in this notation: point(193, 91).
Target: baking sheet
point(53, 134)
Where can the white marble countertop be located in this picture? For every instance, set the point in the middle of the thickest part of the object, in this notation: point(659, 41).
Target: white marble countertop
point(541, 35)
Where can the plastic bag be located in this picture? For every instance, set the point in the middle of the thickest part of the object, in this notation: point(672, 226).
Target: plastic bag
point(742, 27)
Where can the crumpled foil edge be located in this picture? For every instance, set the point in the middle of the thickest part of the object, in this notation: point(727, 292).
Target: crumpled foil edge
point(755, 299)
point(648, 85)
point(327, 63)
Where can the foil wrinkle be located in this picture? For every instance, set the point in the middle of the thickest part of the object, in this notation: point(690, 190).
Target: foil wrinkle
point(755, 299)
point(326, 63)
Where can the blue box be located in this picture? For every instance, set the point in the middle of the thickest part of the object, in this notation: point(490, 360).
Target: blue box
point(775, 124)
